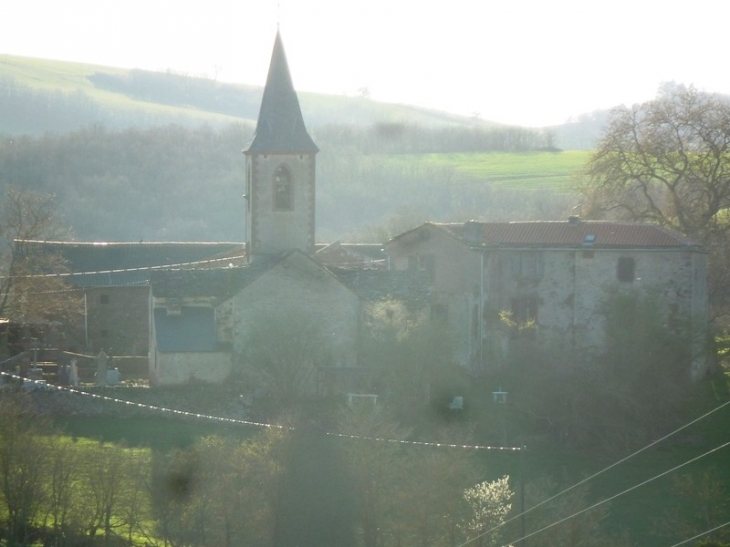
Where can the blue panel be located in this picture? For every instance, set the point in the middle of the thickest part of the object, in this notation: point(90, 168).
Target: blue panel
point(192, 330)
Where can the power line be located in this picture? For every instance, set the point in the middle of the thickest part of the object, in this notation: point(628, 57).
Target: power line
point(715, 529)
point(43, 385)
point(611, 498)
point(124, 270)
point(602, 471)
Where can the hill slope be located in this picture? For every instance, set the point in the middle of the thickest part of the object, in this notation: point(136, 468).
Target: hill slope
point(42, 95)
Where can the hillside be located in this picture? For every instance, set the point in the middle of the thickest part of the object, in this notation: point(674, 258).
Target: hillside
point(175, 183)
point(128, 153)
point(42, 95)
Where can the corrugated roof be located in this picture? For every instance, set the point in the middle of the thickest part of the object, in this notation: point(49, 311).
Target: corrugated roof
point(121, 264)
point(574, 234)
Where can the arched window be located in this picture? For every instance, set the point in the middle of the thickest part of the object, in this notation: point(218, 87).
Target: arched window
point(282, 189)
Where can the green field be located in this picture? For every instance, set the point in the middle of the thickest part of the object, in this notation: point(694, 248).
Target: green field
point(637, 512)
point(74, 79)
point(517, 171)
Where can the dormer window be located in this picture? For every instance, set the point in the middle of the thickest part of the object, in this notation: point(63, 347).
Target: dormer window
point(282, 189)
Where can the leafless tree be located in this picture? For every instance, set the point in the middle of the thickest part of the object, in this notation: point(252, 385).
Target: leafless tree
point(667, 161)
point(30, 289)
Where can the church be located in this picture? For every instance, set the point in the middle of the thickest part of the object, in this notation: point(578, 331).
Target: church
point(191, 307)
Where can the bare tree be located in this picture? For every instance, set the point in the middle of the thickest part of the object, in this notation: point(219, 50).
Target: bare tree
point(30, 288)
point(282, 354)
point(24, 449)
point(667, 161)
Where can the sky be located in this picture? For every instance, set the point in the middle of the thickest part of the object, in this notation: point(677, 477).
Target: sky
point(523, 62)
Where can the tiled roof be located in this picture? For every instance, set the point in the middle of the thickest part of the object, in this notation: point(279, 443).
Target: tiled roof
point(121, 264)
point(571, 234)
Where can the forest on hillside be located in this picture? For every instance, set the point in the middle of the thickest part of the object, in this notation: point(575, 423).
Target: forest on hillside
point(176, 183)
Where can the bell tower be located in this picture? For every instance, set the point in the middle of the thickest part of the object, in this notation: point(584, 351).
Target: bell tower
point(280, 169)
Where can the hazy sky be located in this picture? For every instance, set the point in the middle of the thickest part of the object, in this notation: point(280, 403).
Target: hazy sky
point(529, 62)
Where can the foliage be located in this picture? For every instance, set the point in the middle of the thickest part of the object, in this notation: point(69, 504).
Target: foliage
point(489, 506)
point(667, 161)
point(281, 355)
point(218, 491)
point(24, 294)
point(558, 521)
point(698, 501)
point(406, 495)
point(148, 184)
point(377, 470)
point(626, 393)
point(410, 355)
point(23, 457)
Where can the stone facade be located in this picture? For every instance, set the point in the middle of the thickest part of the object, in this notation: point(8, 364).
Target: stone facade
point(116, 320)
point(294, 287)
point(301, 288)
point(552, 278)
point(281, 192)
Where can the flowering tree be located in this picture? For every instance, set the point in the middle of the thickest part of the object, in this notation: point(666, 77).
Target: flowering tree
point(487, 508)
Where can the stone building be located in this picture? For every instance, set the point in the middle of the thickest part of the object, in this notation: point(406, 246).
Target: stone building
point(112, 280)
point(551, 276)
point(200, 321)
point(191, 306)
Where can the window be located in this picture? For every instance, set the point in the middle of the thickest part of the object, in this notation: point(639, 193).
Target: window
point(282, 189)
point(626, 269)
point(424, 262)
point(104, 299)
point(524, 310)
point(527, 265)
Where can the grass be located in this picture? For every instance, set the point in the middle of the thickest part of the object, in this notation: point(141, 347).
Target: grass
point(525, 171)
point(159, 433)
point(68, 77)
point(636, 512)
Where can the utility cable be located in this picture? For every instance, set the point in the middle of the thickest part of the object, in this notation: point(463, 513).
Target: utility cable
point(601, 472)
point(41, 385)
point(715, 529)
point(611, 498)
point(124, 270)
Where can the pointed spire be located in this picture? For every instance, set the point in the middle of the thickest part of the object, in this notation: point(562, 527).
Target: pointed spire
point(280, 126)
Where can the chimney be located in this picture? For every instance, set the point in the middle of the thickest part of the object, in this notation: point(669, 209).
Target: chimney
point(574, 220)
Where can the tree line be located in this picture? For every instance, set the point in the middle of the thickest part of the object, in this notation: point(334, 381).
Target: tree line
point(278, 487)
point(173, 183)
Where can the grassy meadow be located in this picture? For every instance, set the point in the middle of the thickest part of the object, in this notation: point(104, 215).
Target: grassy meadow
point(515, 171)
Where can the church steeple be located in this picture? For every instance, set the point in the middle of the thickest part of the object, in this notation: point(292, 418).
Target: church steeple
point(280, 169)
point(280, 127)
